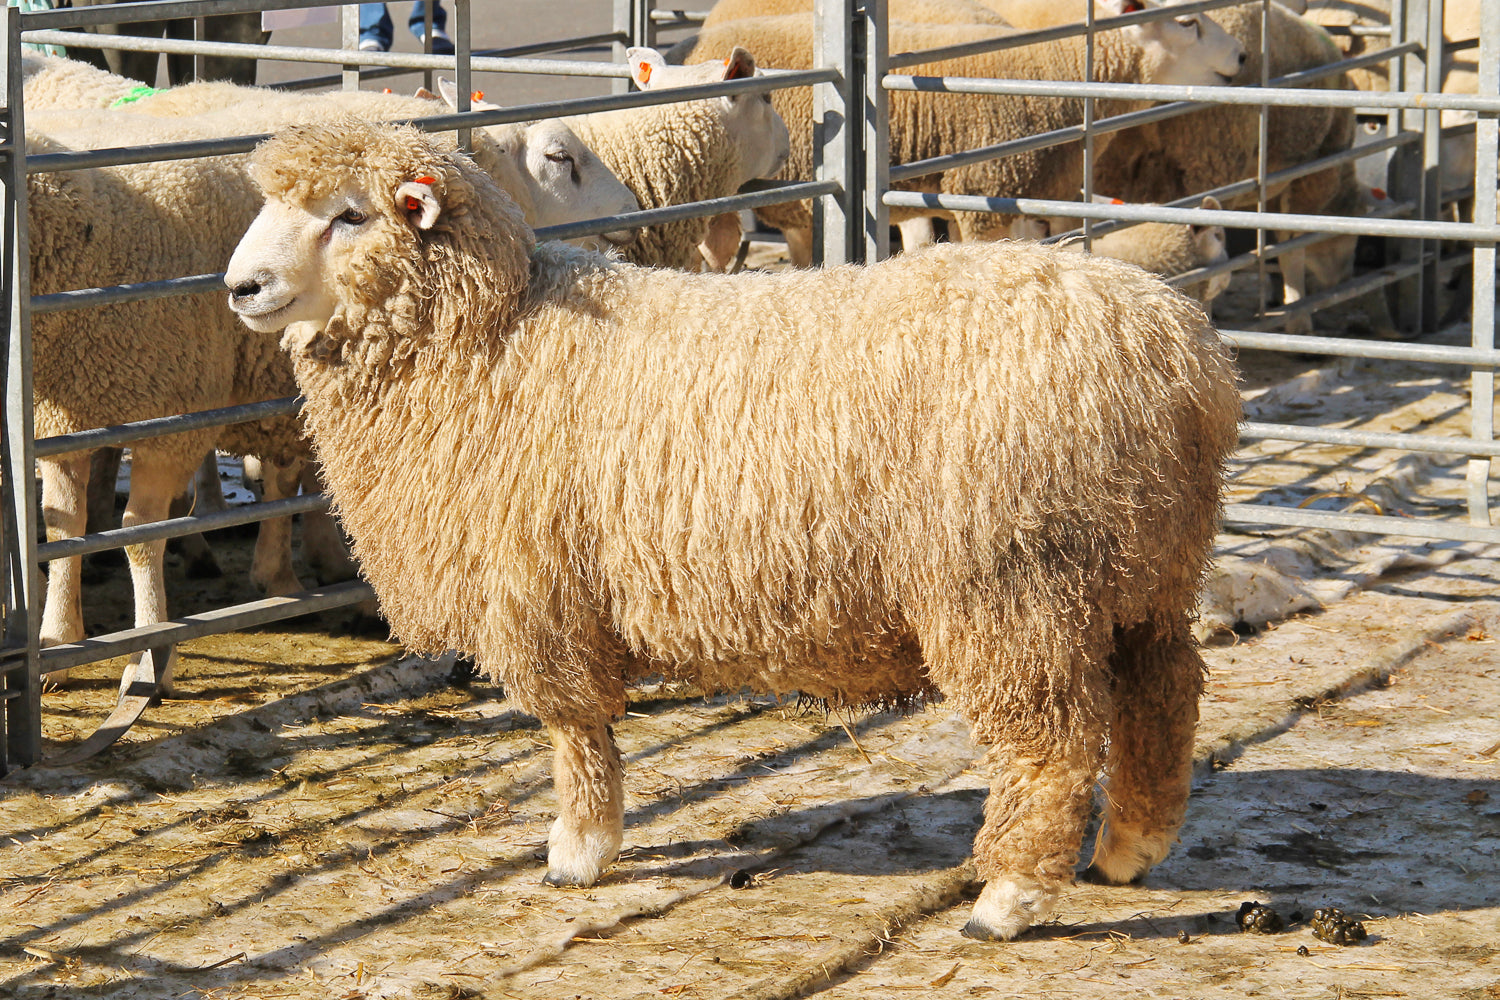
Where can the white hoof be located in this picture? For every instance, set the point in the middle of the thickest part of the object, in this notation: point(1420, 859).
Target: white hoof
point(1007, 907)
point(578, 856)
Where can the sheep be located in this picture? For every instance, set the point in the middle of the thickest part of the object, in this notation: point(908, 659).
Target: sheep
point(166, 220)
point(989, 471)
point(551, 171)
point(672, 154)
point(1162, 248)
point(1167, 160)
point(926, 124)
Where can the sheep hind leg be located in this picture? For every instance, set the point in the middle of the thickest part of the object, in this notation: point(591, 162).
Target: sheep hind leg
point(1044, 761)
point(590, 824)
point(1158, 677)
point(1033, 829)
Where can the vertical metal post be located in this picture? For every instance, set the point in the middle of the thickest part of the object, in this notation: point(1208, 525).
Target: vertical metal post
point(633, 25)
point(349, 41)
point(1413, 171)
point(427, 42)
point(200, 61)
point(876, 148)
point(1089, 38)
point(1262, 165)
point(21, 670)
point(1486, 179)
point(463, 77)
point(836, 221)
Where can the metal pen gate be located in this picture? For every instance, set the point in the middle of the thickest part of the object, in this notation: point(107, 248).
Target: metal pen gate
point(852, 75)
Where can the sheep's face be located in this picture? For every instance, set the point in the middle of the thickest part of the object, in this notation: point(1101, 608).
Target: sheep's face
point(294, 258)
point(1187, 51)
point(565, 181)
point(759, 134)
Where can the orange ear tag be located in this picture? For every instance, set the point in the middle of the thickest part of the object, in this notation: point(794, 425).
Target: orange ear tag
point(1379, 193)
point(644, 72)
point(478, 95)
point(412, 204)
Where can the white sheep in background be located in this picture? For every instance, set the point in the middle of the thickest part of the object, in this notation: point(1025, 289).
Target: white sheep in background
point(991, 471)
point(672, 154)
point(927, 124)
point(1167, 160)
point(105, 366)
point(1163, 248)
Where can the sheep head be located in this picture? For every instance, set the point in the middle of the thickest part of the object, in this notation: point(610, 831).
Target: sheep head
point(1190, 50)
point(371, 232)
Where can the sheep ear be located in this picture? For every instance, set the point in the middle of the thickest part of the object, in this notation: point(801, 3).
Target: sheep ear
point(449, 90)
point(740, 65)
point(1209, 204)
point(643, 62)
point(419, 203)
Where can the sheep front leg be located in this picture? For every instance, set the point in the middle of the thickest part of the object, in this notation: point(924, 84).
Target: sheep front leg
point(154, 482)
point(1158, 677)
point(64, 511)
point(1033, 829)
point(590, 822)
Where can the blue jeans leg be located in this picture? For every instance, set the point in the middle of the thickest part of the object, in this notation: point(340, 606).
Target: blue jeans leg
point(375, 22)
point(419, 15)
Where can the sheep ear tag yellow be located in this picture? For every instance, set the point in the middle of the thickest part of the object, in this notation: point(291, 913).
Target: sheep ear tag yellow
point(420, 203)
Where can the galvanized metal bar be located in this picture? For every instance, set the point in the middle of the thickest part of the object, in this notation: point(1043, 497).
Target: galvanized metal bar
point(371, 75)
point(692, 210)
point(1252, 340)
point(835, 143)
point(349, 40)
point(875, 144)
point(83, 298)
point(1374, 524)
point(1242, 220)
point(1369, 439)
point(1019, 39)
point(1089, 37)
point(1279, 96)
point(22, 711)
point(176, 527)
point(1130, 119)
point(240, 616)
point(306, 54)
point(107, 437)
point(1343, 292)
point(1482, 331)
point(78, 160)
point(772, 193)
point(1249, 259)
point(625, 37)
point(156, 10)
point(463, 74)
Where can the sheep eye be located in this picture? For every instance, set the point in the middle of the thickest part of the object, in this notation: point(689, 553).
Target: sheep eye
point(352, 217)
point(1197, 27)
point(559, 156)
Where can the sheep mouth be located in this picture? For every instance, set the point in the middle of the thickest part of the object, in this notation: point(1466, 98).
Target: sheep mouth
point(261, 316)
point(1226, 78)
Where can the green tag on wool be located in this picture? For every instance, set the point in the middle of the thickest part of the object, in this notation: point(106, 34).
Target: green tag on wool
point(134, 94)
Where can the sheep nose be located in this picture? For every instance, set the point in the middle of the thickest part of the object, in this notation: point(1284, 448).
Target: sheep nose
point(1243, 57)
point(245, 290)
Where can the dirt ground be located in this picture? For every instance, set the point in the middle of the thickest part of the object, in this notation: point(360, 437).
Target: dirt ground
point(316, 816)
